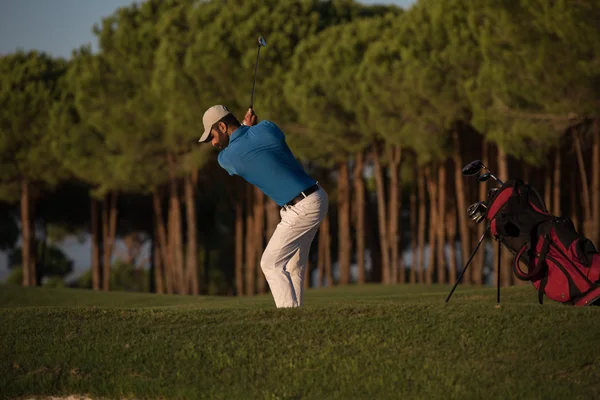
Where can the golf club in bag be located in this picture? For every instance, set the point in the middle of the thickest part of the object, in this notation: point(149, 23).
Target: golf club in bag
point(561, 263)
point(261, 43)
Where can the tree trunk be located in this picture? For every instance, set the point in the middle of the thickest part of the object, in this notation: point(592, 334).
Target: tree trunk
point(422, 224)
point(506, 272)
point(113, 223)
point(451, 238)
point(440, 224)
point(359, 215)
point(344, 250)
point(413, 237)
point(432, 191)
point(175, 238)
point(192, 241)
point(165, 249)
point(461, 203)
point(394, 156)
point(556, 206)
point(109, 225)
point(27, 236)
point(239, 246)
point(35, 273)
point(595, 236)
point(382, 218)
point(179, 253)
point(173, 269)
point(96, 275)
point(327, 247)
point(259, 229)
point(250, 245)
point(159, 282)
point(585, 192)
point(321, 257)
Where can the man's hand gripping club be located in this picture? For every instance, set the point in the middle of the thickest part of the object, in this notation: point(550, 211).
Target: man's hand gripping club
point(250, 118)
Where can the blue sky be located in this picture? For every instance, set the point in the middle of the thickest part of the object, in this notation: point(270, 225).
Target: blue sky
point(59, 26)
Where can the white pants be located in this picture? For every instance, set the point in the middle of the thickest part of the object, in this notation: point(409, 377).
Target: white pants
point(284, 260)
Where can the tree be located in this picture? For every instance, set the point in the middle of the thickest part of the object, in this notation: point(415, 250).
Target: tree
point(228, 32)
point(542, 80)
point(29, 86)
point(322, 86)
point(183, 100)
point(116, 102)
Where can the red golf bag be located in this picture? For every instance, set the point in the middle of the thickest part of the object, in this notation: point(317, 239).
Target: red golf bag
point(560, 263)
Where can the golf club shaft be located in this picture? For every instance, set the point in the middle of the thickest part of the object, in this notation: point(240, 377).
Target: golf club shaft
point(493, 176)
point(254, 82)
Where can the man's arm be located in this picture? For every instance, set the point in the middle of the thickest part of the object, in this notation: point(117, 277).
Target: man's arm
point(225, 164)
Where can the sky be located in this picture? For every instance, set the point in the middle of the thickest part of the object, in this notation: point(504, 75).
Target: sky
point(59, 26)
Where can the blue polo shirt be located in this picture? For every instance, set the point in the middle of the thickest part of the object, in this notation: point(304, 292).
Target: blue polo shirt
point(260, 155)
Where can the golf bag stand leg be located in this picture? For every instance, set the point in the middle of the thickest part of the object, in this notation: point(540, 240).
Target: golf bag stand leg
point(467, 264)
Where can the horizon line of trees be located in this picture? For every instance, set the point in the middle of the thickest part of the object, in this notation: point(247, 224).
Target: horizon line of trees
point(384, 106)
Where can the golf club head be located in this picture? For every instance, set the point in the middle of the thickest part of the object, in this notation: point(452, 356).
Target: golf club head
point(472, 209)
point(478, 217)
point(261, 43)
point(472, 168)
point(475, 208)
point(484, 177)
point(492, 192)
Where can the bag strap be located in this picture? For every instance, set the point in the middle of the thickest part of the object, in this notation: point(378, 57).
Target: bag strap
point(526, 276)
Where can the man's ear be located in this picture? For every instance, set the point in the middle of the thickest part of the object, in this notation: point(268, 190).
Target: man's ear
point(222, 127)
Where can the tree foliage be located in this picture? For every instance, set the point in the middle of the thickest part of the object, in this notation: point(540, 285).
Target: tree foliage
point(340, 77)
point(29, 87)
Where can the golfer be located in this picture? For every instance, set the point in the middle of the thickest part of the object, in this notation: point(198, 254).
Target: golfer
point(258, 153)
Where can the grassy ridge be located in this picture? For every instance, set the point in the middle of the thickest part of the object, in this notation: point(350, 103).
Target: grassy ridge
point(347, 343)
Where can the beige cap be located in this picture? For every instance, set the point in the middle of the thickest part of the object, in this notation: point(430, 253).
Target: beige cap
point(211, 116)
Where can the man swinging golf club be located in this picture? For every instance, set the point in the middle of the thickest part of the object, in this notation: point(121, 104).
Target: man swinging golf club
point(257, 151)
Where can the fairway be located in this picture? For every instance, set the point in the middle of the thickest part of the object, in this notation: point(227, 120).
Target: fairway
point(358, 342)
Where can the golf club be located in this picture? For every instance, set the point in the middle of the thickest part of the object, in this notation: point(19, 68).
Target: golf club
point(472, 168)
point(484, 177)
point(475, 166)
point(477, 211)
point(261, 43)
point(475, 207)
point(478, 216)
point(492, 192)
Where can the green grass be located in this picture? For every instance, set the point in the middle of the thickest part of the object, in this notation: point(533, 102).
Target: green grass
point(371, 342)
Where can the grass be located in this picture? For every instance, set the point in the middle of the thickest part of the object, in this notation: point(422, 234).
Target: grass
point(369, 342)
